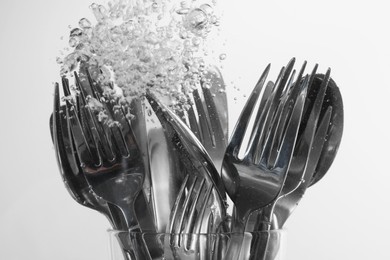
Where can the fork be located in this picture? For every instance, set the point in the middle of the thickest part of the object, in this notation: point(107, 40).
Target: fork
point(200, 204)
point(255, 181)
point(69, 166)
point(110, 159)
point(207, 117)
point(306, 154)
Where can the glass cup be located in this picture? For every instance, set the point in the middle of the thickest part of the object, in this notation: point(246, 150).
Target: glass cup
point(162, 246)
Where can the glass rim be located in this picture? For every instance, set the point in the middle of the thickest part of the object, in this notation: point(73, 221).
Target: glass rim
point(115, 231)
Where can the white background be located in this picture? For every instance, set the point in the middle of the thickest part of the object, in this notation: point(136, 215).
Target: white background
point(344, 216)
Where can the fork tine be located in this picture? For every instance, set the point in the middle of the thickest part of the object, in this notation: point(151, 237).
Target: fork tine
point(92, 134)
point(289, 138)
point(214, 120)
point(265, 116)
point(311, 125)
point(286, 77)
point(291, 95)
point(309, 91)
point(263, 107)
point(193, 124)
point(177, 204)
point(193, 147)
point(319, 141)
point(192, 212)
point(270, 136)
point(243, 120)
point(123, 136)
point(206, 135)
point(102, 141)
point(182, 202)
point(199, 221)
point(85, 118)
point(87, 154)
point(59, 144)
point(295, 90)
point(186, 204)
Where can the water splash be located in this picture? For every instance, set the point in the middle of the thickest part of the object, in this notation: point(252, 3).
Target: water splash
point(148, 45)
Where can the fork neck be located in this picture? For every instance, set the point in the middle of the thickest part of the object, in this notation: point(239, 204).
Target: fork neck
point(240, 219)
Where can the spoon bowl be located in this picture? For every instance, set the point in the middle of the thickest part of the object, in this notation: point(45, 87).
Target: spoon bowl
point(335, 131)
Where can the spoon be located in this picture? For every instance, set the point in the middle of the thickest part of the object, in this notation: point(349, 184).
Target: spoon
point(335, 131)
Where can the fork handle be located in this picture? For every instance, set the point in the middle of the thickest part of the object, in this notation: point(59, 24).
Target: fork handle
point(130, 236)
point(133, 246)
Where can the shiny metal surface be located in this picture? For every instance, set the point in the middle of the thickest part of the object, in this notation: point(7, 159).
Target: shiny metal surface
point(311, 145)
point(208, 116)
point(69, 167)
point(158, 173)
point(165, 170)
point(110, 159)
point(255, 180)
point(209, 120)
point(334, 134)
point(201, 201)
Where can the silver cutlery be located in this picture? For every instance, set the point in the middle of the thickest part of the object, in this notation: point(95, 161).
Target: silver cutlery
point(311, 146)
point(306, 153)
point(200, 204)
point(165, 172)
point(69, 166)
point(111, 162)
point(334, 134)
point(208, 115)
point(253, 181)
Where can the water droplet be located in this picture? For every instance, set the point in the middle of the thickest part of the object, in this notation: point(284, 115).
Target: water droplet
point(183, 11)
point(214, 20)
point(84, 23)
point(207, 85)
point(196, 21)
point(94, 6)
point(222, 56)
point(196, 41)
point(76, 32)
point(207, 9)
point(73, 41)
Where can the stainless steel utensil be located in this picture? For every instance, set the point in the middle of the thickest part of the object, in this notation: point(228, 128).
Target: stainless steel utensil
point(161, 155)
point(310, 141)
point(110, 159)
point(208, 116)
point(334, 134)
point(69, 166)
point(165, 170)
point(200, 204)
point(307, 152)
point(254, 181)
point(71, 170)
